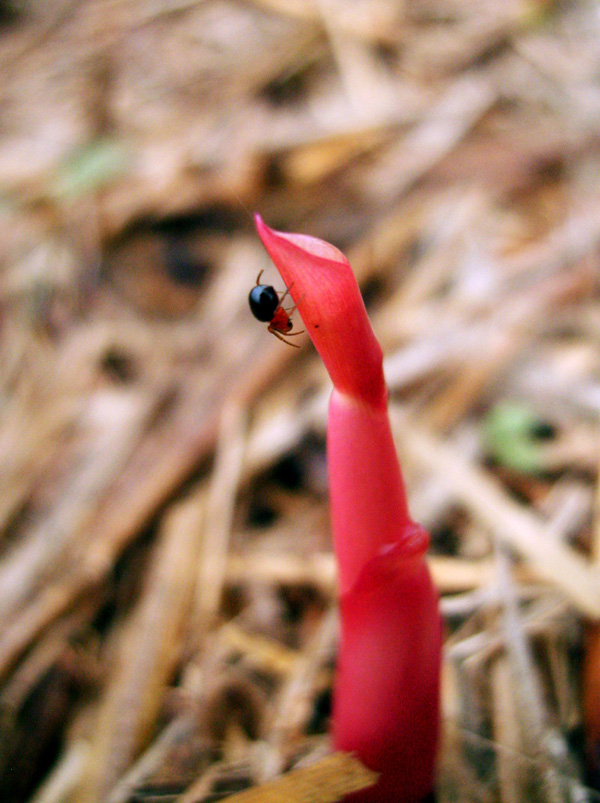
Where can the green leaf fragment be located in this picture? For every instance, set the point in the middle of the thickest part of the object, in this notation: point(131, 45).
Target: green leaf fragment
point(90, 168)
point(510, 434)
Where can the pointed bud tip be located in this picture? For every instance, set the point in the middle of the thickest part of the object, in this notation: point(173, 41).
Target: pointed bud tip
point(321, 282)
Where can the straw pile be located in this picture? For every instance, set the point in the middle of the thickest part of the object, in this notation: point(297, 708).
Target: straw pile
point(167, 589)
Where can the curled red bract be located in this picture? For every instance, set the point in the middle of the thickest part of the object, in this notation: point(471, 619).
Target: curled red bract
point(386, 699)
point(321, 282)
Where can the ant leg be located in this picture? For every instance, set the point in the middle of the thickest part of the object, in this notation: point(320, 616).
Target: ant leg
point(287, 290)
point(276, 333)
point(294, 308)
point(291, 334)
point(259, 275)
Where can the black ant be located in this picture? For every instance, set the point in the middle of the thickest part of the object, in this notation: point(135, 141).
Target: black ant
point(266, 306)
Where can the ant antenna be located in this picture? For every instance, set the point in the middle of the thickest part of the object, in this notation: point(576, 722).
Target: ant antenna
point(242, 204)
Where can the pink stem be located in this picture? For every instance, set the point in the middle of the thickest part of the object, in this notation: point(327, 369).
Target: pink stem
point(386, 703)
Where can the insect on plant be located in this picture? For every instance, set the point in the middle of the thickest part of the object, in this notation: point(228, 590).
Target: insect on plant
point(267, 306)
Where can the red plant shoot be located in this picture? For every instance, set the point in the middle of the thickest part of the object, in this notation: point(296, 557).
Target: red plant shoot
point(386, 698)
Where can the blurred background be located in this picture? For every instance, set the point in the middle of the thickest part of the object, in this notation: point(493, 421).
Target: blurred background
point(167, 589)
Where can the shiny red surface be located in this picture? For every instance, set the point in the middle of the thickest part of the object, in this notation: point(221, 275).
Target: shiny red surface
point(321, 282)
point(386, 701)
